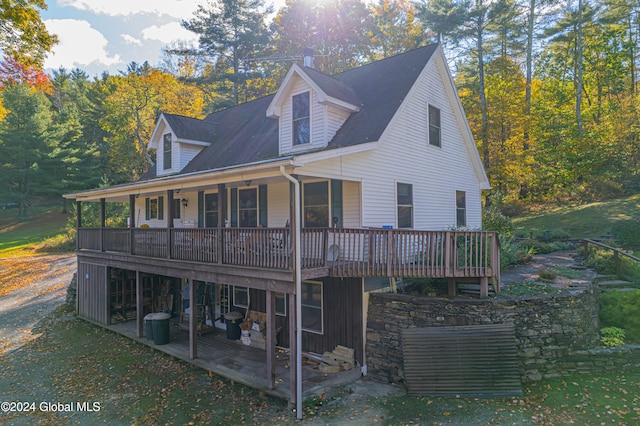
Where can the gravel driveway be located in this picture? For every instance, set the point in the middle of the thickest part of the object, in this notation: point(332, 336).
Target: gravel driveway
point(23, 308)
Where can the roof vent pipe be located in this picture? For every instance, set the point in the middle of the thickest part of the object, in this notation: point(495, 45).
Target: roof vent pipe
point(308, 57)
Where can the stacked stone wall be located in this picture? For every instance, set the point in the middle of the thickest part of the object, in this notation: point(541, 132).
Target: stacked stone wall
point(556, 335)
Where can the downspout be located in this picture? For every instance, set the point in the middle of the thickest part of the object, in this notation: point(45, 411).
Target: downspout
point(298, 283)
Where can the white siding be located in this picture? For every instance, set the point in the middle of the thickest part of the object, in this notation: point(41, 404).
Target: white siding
point(185, 153)
point(278, 204)
point(404, 155)
point(351, 204)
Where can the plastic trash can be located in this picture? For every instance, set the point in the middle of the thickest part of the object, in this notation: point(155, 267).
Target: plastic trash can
point(148, 327)
point(160, 325)
point(233, 320)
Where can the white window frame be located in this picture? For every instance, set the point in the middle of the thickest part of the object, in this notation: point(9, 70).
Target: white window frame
point(293, 121)
point(237, 289)
point(283, 296)
point(398, 205)
point(321, 308)
point(167, 152)
point(436, 126)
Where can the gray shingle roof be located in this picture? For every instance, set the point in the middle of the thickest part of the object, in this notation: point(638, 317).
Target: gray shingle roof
point(243, 134)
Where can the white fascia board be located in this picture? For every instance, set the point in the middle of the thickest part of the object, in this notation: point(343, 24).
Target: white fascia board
point(161, 119)
point(185, 181)
point(193, 142)
point(302, 159)
point(274, 109)
point(458, 110)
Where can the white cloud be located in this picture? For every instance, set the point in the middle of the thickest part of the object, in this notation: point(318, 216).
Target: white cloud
point(168, 33)
point(80, 45)
point(129, 39)
point(177, 8)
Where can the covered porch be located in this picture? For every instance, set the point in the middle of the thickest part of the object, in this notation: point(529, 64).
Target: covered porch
point(241, 363)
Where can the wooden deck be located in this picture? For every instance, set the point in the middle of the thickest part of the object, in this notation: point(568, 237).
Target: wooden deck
point(241, 363)
point(340, 252)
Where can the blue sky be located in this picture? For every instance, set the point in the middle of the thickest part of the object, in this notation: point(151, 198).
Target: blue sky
point(107, 35)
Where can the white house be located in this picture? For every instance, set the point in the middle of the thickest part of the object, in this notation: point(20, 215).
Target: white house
point(372, 172)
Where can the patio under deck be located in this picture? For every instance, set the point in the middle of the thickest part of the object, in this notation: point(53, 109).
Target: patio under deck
point(241, 363)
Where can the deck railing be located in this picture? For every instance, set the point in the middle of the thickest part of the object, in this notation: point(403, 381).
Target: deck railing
point(344, 251)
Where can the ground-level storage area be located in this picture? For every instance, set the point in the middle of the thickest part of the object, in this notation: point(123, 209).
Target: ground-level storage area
point(121, 297)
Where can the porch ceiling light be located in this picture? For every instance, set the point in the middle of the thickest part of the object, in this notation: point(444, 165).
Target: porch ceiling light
point(185, 202)
point(248, 182)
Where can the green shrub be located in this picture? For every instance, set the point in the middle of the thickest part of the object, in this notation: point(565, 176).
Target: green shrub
point(603, 261)
point(547, 274)
point(612, 336)
point(627, 232)
point(622, 309)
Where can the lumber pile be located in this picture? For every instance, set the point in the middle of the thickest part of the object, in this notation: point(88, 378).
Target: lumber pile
point(340, 359)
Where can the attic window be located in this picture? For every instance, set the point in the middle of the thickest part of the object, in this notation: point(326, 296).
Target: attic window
point(301, 119)
point(166, 149)
point(434, 126)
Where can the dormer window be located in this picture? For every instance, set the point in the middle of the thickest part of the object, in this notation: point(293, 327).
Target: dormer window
point(301, 119)
point(166, 149)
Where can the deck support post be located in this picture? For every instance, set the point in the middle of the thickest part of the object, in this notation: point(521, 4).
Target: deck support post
point(170, 217)
point(270, 346)
point(452, 287)
point(139, 306)
point(193, 349)
point(103, 221)
point(222, 208)
point(484, 287)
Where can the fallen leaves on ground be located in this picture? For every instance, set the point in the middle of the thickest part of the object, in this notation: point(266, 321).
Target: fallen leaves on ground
point(18, 272)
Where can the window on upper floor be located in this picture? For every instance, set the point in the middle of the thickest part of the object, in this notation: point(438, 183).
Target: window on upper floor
point(166, 149)
point(405, 205)
point(434, 126)
point(461, 208)
point(154, 208)
point(301, 113)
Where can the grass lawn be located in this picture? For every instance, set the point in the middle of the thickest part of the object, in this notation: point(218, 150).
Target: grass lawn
point(584, 221)
point(18, 236)
point(75, 361)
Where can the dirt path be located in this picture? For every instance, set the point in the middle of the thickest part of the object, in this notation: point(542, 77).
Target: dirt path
point(29, 301)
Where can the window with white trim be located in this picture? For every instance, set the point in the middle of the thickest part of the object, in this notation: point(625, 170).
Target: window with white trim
point(241, 297)
point(281, 304)
point(434, 126)
point(301, 118)
point(405, 205)
point(210, 210)
point(461, 208)
point(311, 301)
point(166, 150)
point(154, 208)
point(316, 204)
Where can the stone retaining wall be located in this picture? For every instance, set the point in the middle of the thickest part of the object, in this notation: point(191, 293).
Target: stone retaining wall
point(555, 334)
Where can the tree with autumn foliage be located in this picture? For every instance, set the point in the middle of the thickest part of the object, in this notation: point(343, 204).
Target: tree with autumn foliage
point(23, 35)
point(130, 113)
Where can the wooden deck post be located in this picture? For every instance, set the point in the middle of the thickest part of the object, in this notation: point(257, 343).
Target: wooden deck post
point(193, 312)
point(170, 215)
point(271, 347)
point(222, 208)
point(78, 221)
point(103, 221)
point(139, 304)
point(484, 287)
point(452, 287)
